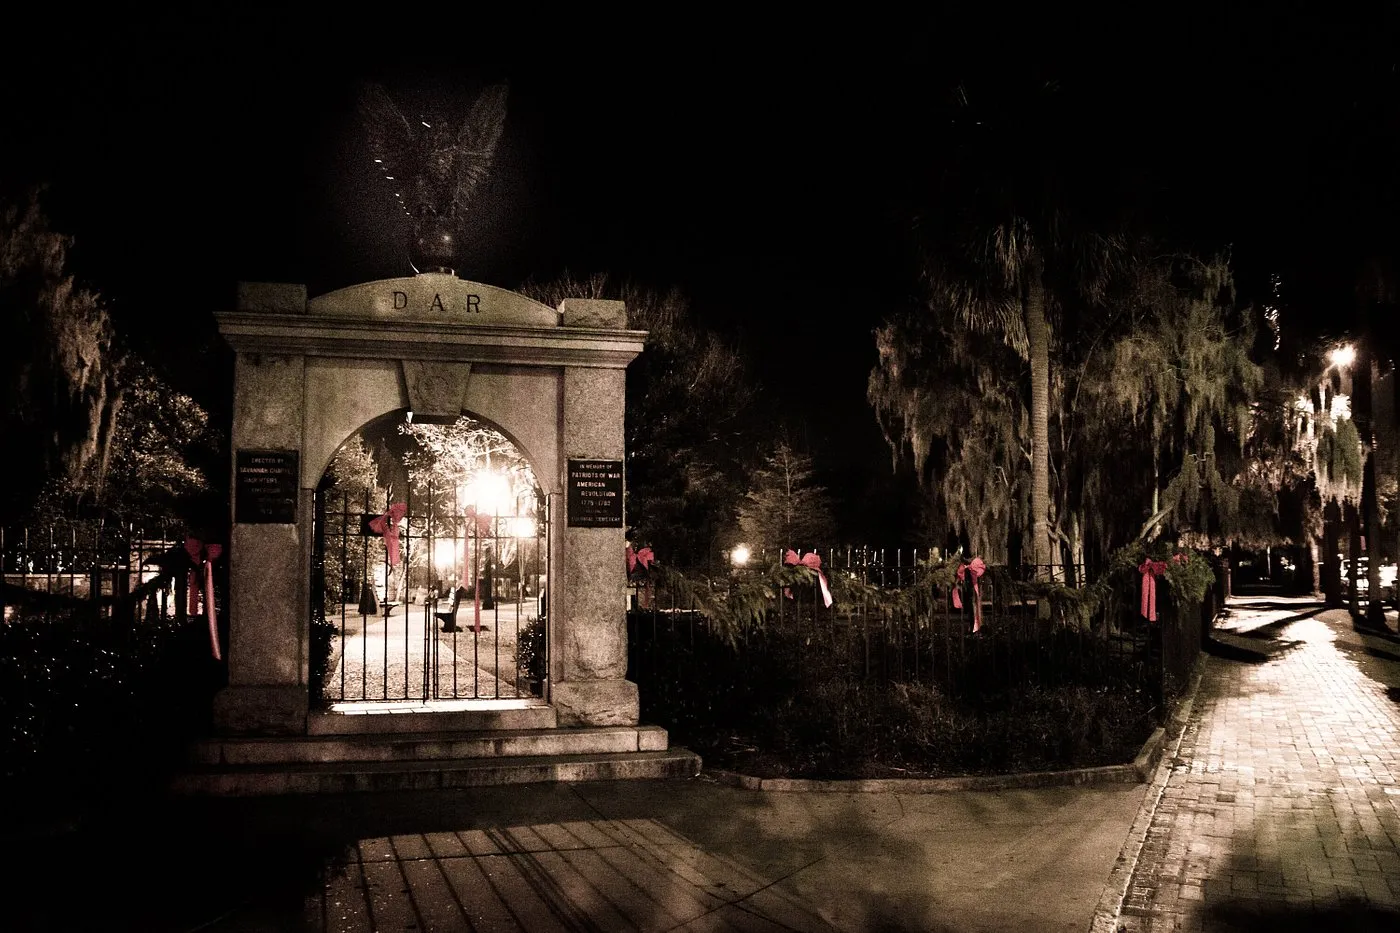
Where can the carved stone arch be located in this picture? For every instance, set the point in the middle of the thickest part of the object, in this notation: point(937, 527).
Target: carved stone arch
point(309, 374)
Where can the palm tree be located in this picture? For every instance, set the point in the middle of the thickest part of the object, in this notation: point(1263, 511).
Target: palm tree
point(1001, 245)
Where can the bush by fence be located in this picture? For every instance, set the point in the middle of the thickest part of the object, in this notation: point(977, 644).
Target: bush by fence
point(101, 667)
point(757, 671)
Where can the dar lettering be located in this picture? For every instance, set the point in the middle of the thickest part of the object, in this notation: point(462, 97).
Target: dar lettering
point(471, 305)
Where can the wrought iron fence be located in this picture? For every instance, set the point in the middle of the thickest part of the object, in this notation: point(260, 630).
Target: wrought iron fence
point(984, 635)
point(106, 570)
point(453, 609)
point(102, 664)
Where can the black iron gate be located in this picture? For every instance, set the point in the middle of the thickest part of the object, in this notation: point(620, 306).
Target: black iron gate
point(432, 598)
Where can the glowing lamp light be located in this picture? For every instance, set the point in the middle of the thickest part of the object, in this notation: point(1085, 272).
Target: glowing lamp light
point(740, 555)
point(489, 492)
point(1343, 356)
point(444, 555)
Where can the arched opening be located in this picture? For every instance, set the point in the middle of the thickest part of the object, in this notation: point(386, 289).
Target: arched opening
point(430, 567)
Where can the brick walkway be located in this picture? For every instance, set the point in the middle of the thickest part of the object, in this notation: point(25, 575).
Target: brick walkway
point(595, 875)
point(1280, 807)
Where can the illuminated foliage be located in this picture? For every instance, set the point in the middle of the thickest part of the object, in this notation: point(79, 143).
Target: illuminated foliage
point(167, 462)
point(784, 507)
point(61, 384)
point(687, 394)
point(1154, 398)
point(1178, 380)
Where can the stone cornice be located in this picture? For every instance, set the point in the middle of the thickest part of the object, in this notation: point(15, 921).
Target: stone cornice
point(335, 336)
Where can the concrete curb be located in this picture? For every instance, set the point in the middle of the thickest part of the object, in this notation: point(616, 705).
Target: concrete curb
point(1138, 772)
point(1105, 919)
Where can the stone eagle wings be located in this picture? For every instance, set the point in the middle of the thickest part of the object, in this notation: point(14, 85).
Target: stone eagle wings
point(434, 167)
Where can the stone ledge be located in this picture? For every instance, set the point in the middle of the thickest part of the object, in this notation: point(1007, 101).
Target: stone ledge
point(595, 702)
point(347, 777)
point(245, 709)
point(1109, 774)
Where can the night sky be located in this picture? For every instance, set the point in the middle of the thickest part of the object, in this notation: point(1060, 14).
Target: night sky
point(764, 167)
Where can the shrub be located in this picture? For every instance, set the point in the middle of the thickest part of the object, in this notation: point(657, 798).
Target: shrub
point(322, 653)
point(788, 704)
point(83, 699)
point(530, 655)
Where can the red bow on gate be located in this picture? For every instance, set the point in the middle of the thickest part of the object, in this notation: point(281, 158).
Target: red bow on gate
point(1150, 570)
point(203, 555)
point(485, 522)
point(643, 557)
point(976, 567)
point(812, 561)
point(388, 526)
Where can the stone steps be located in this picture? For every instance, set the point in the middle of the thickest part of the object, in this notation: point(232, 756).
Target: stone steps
point(480, 715)
point(437, 745)
point(338, 777)
point(349, 760)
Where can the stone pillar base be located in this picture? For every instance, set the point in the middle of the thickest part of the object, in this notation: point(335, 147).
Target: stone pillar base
point(275, 710)
point(595, 702)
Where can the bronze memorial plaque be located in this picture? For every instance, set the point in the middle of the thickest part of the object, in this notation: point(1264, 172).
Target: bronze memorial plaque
point(595, 493)
point(265, 487)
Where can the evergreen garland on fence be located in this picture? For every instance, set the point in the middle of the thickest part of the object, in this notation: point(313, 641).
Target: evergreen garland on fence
point(735, 605)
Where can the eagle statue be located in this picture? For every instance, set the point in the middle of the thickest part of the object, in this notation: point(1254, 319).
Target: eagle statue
point(435, 167)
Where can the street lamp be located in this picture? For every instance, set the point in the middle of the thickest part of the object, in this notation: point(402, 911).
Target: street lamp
point(1343, 356)
point(486, 492)
point(739, 556)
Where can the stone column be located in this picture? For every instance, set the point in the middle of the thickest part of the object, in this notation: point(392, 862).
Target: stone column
point(588, 622)
point(268, 563)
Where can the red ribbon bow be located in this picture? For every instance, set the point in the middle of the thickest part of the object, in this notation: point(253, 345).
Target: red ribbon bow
point(643, 557)
point(812, 561)
point(203, 555)
point(388, 526)
point(484, 521)
point(1151, 570)
point(976, 567)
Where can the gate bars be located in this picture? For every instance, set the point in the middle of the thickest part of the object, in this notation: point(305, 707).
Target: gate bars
point(458, 616)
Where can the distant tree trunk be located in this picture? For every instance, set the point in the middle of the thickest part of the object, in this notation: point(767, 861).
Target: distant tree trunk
point(1370, 517)
point(1331, 547)
point(1315, 571)
point(1076, 553)
point(1353, 521)
point(1038, 337)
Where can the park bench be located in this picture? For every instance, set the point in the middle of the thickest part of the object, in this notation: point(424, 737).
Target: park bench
point(449, 618)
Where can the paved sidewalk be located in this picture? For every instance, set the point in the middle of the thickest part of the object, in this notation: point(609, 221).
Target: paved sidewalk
point(1279, 809)
point(608, 856)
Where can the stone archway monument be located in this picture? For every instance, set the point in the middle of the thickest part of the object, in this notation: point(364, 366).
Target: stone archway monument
point(309, 373)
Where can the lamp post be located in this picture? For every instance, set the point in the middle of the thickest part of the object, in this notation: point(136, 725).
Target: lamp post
point(486, 491)
point(1363, 522)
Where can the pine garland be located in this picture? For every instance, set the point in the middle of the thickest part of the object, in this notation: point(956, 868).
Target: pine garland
point(739, 604)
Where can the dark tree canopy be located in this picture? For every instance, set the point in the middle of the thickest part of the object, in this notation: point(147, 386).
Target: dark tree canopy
point(687, 394)
point(62, 385)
